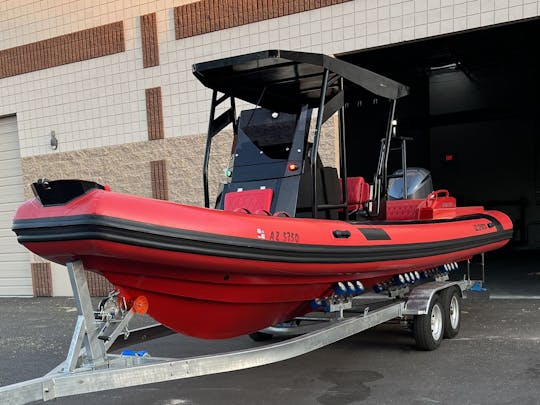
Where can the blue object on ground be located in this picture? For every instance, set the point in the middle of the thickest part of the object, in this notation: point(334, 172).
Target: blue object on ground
point(477, 287)
point(141, 353)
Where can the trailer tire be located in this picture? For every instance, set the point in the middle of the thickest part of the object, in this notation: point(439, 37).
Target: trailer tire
point(451, 302)
point(260, 336)
point(428, 329)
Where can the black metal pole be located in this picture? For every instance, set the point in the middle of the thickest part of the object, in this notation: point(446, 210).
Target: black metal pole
point(233, 116)
point(387, 150)
point(404, 166)
point(343, 154)
point(315, 147)
point(207, 151)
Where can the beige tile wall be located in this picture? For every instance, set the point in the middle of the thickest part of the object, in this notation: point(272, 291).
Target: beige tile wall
point(101, 102)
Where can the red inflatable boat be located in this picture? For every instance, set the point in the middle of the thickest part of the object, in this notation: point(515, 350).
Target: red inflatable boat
point(280, 238)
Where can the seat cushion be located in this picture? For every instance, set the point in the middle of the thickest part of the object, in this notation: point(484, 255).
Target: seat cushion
point(397, 210)
point(251, 200)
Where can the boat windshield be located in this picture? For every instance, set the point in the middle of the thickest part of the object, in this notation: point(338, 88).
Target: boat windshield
point(273, 139)
point(266, 143)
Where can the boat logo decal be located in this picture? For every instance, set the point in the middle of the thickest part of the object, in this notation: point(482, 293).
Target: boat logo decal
point(480, 227)
point(261, 234)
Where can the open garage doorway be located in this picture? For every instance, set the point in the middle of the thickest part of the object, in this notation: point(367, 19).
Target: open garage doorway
point(474, 114)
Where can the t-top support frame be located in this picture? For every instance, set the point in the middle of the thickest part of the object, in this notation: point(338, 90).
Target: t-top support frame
point(215, 126)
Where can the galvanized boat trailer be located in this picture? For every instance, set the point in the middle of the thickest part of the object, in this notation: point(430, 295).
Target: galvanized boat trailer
point(90, 368)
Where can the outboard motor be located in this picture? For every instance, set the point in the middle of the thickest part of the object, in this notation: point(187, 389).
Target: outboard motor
point(419, 184)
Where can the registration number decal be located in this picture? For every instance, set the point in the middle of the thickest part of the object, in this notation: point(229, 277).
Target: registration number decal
point(280, 236)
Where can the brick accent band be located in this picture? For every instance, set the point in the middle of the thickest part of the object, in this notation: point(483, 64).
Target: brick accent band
point(205, 16)
point(154, 113)
point(75, 47)
point(160, 184)
point(149, 38)
point(41, 279)
point(98, 285)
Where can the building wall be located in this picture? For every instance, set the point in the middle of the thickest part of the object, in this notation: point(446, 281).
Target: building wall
point(101, 101)
point(91, 84)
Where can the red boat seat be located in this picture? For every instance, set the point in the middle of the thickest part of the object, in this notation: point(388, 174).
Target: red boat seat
point(251, 200)
point(398, 210)
point(357, 193)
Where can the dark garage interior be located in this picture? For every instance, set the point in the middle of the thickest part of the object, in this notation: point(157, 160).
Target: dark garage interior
point(474, 113)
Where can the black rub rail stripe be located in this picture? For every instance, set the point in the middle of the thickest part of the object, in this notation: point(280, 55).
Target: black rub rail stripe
point(93, 227)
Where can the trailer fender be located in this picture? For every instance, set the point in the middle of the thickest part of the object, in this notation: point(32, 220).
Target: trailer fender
point(419, 300)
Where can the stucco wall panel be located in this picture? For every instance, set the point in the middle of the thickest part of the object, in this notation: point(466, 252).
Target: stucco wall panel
point(127, 168)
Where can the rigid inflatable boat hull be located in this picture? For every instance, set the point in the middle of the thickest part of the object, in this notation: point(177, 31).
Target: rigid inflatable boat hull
point(210, 273)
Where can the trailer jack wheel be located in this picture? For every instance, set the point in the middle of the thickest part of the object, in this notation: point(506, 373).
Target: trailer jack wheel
point(451, 302)
point(260, 336)
point(428, 329)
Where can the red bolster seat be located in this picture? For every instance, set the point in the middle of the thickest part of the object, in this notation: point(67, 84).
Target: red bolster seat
point(251, 200)
point(357, 193)
point(398, 210)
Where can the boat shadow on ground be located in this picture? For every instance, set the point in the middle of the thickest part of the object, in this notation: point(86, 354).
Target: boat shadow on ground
point(388, 337)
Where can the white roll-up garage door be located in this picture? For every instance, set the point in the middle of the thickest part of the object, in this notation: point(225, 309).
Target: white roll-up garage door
point(15, 276)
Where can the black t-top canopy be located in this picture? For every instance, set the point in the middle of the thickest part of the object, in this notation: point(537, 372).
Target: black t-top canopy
point(286, 80)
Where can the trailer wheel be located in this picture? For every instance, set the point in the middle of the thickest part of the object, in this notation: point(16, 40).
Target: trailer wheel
point(260, 336)
point(451, 302)
point(428, 329)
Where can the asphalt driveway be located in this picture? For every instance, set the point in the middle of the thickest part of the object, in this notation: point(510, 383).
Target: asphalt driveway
point(494, 360)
